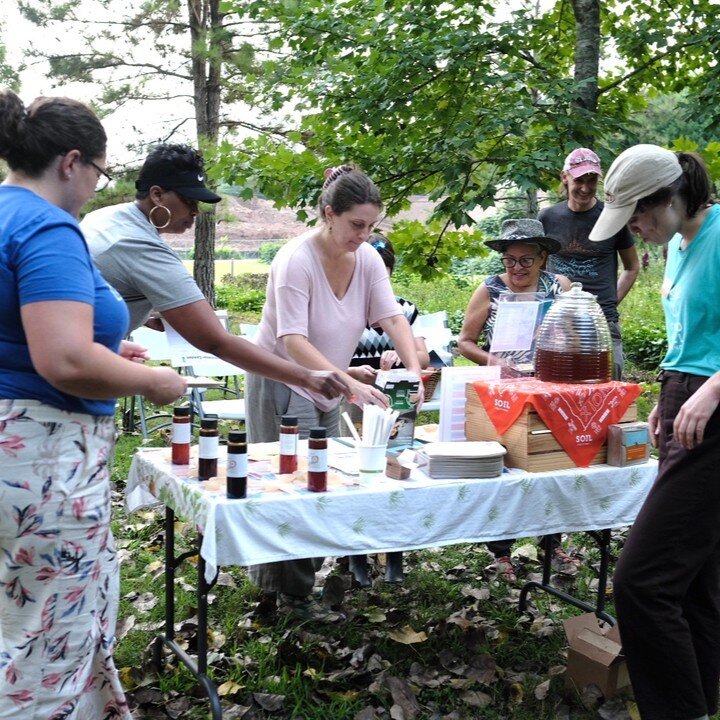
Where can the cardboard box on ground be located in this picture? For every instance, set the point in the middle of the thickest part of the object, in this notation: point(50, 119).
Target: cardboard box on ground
point(595, 657)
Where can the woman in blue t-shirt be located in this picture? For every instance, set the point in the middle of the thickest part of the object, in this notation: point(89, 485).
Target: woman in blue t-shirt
point(62, 363)
point(667, 581)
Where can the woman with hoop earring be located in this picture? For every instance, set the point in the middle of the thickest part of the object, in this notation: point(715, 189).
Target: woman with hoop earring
point(127, 247)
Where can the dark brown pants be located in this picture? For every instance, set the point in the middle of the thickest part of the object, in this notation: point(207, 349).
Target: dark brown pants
point(667, 582)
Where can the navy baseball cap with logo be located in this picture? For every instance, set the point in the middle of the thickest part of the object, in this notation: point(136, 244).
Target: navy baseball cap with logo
point(188, 183)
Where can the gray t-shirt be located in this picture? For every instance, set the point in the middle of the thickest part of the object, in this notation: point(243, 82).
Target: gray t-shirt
point(594, 264)
point(136, 261)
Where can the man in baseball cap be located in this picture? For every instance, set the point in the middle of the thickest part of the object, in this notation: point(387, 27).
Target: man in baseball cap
point(636, 173)
point(595, 265)
point(582, 161)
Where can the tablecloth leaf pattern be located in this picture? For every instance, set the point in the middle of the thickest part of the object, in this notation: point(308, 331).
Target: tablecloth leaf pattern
point(359, 526)
point(388, 515)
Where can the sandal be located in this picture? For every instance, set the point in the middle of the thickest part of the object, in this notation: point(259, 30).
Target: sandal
point(504, 568)
point(306, 608)
point(564, 562)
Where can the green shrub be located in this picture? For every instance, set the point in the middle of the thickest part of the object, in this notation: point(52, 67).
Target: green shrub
point(268, 251)
point(455, 321)
point(246, 281)
point(440, 293)
point(238, 299)
point(470, 271)
point(644, 344)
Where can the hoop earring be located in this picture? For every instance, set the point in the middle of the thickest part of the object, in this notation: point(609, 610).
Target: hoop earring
point(152, 222)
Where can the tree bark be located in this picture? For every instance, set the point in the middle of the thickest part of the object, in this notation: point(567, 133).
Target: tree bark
point(587, 61)
point(206, 34)
point(532, 202)
point(204, 263)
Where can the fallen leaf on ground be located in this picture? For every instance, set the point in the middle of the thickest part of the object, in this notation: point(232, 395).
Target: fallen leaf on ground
point(407, 636)
point(269, 702)
point(474, 698)
point(403, 697)
point(229, 688)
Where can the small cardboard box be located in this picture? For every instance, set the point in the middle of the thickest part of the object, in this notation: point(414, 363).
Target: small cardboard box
point(595, 656)
point(401, 388)
point(628, 444)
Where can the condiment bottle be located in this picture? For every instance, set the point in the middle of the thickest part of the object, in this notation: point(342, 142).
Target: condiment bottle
point(317, 460)
point(181, 433)
point(288, 445)
point(208, 442)
point(237, 464)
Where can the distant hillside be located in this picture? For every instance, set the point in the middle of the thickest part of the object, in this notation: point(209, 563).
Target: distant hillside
point(248, 223)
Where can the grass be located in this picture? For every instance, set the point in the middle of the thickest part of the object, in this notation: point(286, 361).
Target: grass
point(234, 267)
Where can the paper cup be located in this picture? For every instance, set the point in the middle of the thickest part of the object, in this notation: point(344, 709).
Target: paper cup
point(371, 461)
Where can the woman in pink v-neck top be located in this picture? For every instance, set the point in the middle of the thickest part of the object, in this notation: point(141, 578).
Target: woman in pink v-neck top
point(323, 289)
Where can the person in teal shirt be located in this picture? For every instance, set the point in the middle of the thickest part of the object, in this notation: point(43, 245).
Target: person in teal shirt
point(667, 581)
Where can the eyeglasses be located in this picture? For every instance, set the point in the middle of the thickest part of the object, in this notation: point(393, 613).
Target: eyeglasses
point(103, 178)
point(525, 261)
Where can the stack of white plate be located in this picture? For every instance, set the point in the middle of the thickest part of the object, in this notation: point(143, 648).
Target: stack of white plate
point(444, 460)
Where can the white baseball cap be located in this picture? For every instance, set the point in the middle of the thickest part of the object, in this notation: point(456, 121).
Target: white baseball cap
point(636, 173)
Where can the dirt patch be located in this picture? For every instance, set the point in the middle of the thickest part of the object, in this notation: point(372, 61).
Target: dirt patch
point(245, 224)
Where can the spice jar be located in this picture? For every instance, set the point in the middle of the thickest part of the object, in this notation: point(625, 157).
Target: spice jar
point(574, 343)
point(317, 460)
point(208, 442)
point(288, 445)
point(181, 433)
point(237, 464)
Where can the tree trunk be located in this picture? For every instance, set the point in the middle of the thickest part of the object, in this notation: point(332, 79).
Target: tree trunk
point(206, 35)
point(587, 61)
point(532, 202)
point(204, 264)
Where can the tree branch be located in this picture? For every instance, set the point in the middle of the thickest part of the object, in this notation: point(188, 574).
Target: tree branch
point(654, 60)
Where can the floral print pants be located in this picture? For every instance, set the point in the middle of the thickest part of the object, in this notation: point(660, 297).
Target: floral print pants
point(59, 579)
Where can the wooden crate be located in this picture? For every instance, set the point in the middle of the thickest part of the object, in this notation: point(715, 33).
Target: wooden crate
point(529, 443)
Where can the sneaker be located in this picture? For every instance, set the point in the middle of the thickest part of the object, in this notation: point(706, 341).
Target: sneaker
point(564, 562)
point(306, 608)
point(503, 568)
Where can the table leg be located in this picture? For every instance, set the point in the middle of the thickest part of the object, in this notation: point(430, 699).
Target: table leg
point(602, 538)
point(199, 669)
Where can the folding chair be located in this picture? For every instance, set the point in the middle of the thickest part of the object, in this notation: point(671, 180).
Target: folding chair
point(438, 337)
point(159, 350)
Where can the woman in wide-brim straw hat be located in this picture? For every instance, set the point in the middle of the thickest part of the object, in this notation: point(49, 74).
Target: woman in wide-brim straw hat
point(667, 583)
point(524, 248)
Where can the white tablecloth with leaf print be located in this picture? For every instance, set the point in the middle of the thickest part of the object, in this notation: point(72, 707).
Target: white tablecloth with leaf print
point(389, 515)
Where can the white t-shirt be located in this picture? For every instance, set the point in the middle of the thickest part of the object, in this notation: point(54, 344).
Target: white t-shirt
point(137, 262)
point(300, 301)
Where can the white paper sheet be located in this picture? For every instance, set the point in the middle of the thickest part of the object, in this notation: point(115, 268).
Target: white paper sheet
point(514, 326)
